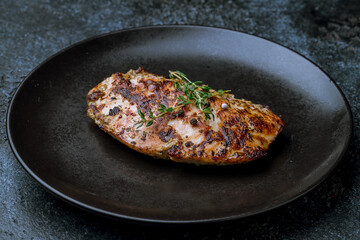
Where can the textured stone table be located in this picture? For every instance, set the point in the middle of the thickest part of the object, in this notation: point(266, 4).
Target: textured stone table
point(327, 32)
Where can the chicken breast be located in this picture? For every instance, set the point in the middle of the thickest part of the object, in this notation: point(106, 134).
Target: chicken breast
point(238, 131)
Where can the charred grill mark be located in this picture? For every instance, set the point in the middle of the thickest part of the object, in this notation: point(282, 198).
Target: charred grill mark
point(162, 92)
point(231, 121)
point(180, 113)
point(200, 153)
point(252, 153)
point(114, 111)
point(259, 139)
point(208, 136)
point(95, 95)
point(243, 112)
point(242, 135)
point(94, 109)
point(236, 138)
point(259, 124)
point(221, 153)
point(133, 97)
point(193, 122)
point(166, 136)
point(128, 94)
point(228, 135)
point(120, 79)
point(195, 146)
point(100, 107)
point(202, 144)
point(175, 150)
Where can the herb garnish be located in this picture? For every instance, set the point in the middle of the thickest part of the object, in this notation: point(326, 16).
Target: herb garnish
point(194, 92)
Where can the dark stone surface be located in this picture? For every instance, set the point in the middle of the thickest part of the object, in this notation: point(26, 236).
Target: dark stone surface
point(327, 32)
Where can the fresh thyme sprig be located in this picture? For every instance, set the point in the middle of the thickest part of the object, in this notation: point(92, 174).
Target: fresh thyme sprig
point(194, 92)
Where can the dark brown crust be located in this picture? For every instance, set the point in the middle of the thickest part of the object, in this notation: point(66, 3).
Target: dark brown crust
point(95, 95)
point(243, 133)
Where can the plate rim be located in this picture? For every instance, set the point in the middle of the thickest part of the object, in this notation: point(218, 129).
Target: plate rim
point(128, 218)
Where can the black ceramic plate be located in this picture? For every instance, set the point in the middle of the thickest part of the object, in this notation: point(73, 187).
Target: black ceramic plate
point(67, 153)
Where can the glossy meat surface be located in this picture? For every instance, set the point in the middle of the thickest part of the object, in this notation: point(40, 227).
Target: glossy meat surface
point(240, 132)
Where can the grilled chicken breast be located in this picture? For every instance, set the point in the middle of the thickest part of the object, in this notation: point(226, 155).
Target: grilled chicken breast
point(240, 131)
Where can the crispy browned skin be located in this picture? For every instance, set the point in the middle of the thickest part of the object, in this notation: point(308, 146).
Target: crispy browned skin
point(240, 133)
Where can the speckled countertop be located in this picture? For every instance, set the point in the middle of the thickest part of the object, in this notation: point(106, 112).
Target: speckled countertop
point(327, 32)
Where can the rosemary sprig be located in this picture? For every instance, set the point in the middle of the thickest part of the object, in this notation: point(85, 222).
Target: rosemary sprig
point(194, 92)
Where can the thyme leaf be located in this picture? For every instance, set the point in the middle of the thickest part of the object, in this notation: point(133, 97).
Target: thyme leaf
point(194, 92)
